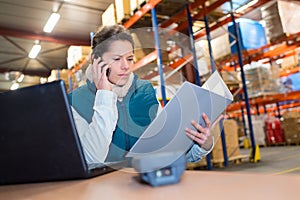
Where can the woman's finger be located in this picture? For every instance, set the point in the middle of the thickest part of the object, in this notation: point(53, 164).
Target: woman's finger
point(196, 136)
point(206, 120)
point(218, 120)
point(198, 127)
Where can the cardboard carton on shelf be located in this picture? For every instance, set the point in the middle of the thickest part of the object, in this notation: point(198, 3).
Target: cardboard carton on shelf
point(262, 79)
point(109, 15)
point(123, 10)
point(230, 77)
point(281, 18)
point(63, 74)
point(289, 62)
point(220, 46)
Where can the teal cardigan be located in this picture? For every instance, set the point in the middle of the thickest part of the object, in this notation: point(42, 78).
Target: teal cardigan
point(135, 112)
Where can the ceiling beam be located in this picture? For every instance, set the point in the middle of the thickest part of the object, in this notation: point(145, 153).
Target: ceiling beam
point(33, 36)
point(30, 72)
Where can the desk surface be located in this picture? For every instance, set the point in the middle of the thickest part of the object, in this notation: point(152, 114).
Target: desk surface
point(193, 185)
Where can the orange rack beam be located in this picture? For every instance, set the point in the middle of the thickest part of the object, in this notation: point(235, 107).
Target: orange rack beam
point(146, 8)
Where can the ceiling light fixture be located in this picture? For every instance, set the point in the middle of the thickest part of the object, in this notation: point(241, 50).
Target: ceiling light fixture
point(244, 7)
point(21, 78)
point(53, 19)
point(34, 51)
point(14, 86)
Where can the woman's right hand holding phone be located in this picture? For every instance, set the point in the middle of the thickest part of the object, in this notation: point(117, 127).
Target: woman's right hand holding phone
point(99, 74)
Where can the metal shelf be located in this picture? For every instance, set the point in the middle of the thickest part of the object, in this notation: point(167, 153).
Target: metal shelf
point(289, 97)
point(201, 10)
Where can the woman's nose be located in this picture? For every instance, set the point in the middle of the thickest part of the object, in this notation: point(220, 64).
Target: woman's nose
point(125, 64)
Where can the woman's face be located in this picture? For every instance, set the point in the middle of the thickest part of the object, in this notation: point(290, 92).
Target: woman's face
point(119, 58)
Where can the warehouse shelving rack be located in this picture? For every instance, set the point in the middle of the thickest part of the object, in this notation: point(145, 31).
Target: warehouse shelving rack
point(203, 10)
point(187, 23)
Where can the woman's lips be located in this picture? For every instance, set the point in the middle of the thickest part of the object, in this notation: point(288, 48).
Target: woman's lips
point(123, 75)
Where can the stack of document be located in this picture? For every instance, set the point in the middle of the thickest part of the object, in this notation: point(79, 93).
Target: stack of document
point(166, 133)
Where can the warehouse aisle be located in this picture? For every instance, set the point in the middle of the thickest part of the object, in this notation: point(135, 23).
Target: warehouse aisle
point(275, 160)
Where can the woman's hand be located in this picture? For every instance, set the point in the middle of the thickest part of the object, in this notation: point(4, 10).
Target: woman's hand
point(203, 135)
point(99, 74)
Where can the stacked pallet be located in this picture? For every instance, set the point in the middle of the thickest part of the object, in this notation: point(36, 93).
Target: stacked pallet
point(262, 79)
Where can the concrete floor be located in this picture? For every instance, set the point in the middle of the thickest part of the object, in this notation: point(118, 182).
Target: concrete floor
point(274, 160)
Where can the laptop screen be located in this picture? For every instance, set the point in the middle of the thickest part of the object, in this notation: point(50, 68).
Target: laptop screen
point(38, 139)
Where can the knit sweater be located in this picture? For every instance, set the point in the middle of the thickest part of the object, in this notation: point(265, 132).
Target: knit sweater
point(136, 110)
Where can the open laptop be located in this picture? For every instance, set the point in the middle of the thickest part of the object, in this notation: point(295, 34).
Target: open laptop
point(38, 137)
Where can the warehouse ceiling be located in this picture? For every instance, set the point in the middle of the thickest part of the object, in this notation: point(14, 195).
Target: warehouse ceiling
point(21, 25)
point(22, 22)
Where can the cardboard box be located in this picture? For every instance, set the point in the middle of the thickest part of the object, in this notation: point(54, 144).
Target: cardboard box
point(122, 10)
point(133, 6)
point(262, 79)
point(281, 18)
point(230, 77)
point(291, 115)
point(220, 47)
point(109, 15)
point(232, 144)
point(291, 127)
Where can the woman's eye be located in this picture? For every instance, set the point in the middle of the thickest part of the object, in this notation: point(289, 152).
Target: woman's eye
point(116, 59)
point(130, 59)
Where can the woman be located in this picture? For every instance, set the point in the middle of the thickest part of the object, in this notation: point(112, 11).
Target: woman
point(115, 107)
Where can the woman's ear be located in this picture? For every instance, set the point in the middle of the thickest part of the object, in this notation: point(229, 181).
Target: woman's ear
point(89, 58)
point(134, 59)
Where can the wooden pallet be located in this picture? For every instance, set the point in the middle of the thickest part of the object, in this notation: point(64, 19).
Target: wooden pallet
point(277, 144)
point(197, 165)
point(293, 143)
point(219, 163)
point(231, 160)
point(262, 145)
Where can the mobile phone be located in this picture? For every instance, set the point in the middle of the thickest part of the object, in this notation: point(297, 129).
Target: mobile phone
point(108, 69)
point(108, 72)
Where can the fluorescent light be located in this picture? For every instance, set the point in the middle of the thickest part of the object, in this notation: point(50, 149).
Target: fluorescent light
point(43, 80)
point(172, 26)
point(244, 7)
point(21, 78)
point(14, 86)
point(34, 51)
point(53, 19)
